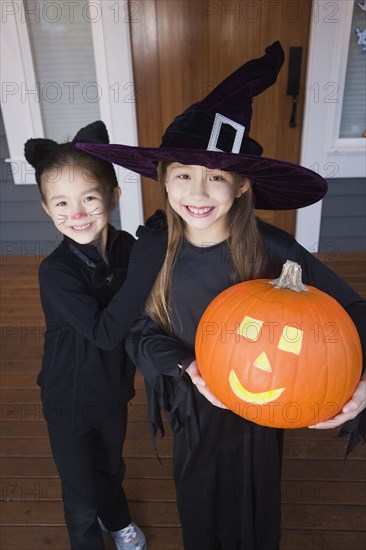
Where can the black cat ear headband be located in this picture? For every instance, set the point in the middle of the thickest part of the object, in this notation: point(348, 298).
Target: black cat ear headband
point(38, 151)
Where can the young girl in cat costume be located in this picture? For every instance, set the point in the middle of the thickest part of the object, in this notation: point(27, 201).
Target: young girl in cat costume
point(89, 301)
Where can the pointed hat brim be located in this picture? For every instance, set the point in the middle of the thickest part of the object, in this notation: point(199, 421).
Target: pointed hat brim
point(214, 132)
point(277, 185)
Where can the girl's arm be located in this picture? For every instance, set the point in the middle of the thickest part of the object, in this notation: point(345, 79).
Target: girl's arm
point(158, 356)
point(201, 386)
point(353, 416)
point(357, 404)
point(354, 407)
point(66, 298)
point(154, 352)
point(161, 357)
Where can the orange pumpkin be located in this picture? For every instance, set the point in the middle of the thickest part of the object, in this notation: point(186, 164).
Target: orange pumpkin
point(278, 353)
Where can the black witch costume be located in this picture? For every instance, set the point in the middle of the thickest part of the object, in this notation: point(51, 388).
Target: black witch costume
point(87, 378)
point(226, 468)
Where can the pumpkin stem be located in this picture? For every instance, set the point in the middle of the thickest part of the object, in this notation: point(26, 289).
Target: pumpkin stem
point(290, 277)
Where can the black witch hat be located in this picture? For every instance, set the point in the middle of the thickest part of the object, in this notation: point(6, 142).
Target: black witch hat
point(214, 133)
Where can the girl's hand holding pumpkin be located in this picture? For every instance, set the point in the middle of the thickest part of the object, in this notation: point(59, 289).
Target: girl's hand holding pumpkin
point(351, 409)
point(200, 384)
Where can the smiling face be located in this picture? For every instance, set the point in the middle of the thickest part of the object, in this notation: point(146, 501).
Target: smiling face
point(290, 342)
point(78, 204)
point(202, 197)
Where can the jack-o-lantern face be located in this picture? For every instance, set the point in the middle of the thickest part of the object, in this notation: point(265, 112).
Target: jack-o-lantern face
point(277, 357)
point(290, 342)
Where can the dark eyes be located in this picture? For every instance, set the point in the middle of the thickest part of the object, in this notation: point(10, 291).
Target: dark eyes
point(86, 199)
point(210, 178)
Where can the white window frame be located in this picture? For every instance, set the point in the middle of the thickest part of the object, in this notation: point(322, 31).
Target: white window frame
point(19, 95)
point(321, 148)
point(113, 61)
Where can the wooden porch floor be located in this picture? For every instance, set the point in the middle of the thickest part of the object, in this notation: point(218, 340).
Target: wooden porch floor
point(323, 496)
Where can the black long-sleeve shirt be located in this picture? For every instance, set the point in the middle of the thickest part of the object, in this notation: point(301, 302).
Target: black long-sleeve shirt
point(89, 307)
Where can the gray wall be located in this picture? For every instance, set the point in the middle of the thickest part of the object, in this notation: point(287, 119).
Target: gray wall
point(343, 225)
point(25, 228)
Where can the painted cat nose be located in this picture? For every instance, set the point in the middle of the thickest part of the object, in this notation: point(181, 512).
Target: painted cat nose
point(78, 215)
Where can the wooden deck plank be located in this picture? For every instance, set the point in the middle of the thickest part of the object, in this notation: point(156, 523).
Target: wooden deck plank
point(25, 513)
point(156, 489)
point(147, 467)
point(293, 449)
point(55, 538)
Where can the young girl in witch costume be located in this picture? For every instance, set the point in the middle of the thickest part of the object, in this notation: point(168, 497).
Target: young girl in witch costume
point(226, 469)
point(89, 305)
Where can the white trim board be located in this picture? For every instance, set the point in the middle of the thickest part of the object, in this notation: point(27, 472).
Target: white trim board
point(19, 94)
point(321, 148)
point(113, 61)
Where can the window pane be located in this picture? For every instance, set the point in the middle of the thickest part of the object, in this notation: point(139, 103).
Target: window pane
point(354, 100)
point(61, 40)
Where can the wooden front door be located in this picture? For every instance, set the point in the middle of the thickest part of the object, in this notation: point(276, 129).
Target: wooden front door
point(183, 48)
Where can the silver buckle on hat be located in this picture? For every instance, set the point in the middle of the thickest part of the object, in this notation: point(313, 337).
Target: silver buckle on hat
point(216, 129)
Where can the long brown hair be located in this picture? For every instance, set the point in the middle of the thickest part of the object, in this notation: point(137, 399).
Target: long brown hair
point(245, 242)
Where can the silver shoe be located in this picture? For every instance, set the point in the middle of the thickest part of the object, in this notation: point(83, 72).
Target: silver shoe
point(129, 538)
